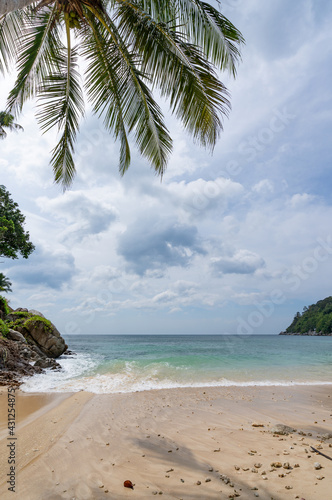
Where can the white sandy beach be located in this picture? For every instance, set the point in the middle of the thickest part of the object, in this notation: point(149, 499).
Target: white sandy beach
point(174, 442)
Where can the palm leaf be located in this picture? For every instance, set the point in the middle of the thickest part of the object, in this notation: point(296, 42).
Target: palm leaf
point(181, 71)
point(203, 24)
point(7, 121)
point(104, 85)
point(40, 39)
point(62, 105)
point(9, 35)
point(141, 113)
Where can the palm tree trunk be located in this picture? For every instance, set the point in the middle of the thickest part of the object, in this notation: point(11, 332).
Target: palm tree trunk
point(10, 5)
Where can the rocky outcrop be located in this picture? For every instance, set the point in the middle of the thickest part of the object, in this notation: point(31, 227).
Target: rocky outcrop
point(37, 331)
point(15, 362)
point(13, 335)
point(30, 345)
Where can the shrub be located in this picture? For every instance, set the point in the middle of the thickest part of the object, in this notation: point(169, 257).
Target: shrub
point(3, 329)
point(3, 305)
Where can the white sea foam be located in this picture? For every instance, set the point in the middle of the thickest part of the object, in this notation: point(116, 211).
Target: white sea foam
point(78, 373)
point(73, 366)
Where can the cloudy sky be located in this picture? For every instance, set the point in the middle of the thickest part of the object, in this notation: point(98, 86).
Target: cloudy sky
point(236, 242)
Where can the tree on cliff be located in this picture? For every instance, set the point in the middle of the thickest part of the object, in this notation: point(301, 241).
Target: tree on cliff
point(14, 240)
point(7, 122)
point(129, 48)
point(315, 318)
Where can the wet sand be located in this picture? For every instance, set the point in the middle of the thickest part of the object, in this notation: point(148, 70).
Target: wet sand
point(193, 444)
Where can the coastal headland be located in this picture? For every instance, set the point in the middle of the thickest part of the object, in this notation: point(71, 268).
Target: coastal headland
point(192, 443)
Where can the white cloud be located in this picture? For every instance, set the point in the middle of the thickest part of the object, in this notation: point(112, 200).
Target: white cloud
point(300, 200)
point(221, 229)
point(242, 262)
point(263, 187)
point(83, 215)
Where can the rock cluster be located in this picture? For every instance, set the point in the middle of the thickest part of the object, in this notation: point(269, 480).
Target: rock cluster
point(31, 344)
point(311, 333)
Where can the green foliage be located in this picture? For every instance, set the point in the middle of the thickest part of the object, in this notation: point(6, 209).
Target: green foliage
point(4, 306)
point(315, 317)
point(21, 314)
point(14, 240)
point(5, 284)
point(130, 49)
point(7, 122)
point(3, 328)
point(27, 320)
point(35, 319)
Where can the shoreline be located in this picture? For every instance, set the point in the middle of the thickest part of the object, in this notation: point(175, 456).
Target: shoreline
point(83, 445)
point(306, 334)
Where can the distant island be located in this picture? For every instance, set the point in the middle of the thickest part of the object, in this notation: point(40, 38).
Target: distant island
point(316, 320)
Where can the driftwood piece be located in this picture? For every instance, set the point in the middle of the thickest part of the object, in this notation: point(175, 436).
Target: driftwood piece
point(320, 453)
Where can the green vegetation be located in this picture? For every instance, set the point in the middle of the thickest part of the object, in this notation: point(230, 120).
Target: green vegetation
point(5, 284)
point(7, 122)
point(4, 305)
point(130, 49)
point(21, 314)
point(3, 329)
point(14, 240)
point(35, 319)
point(317, 317)
point(26, 319)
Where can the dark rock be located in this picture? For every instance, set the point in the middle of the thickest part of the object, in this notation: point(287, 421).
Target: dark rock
point(47, 363)
point(31, 338)
point(14, 362)
point(69, 353)
point(26, 353)
point(14, 335)
point(36, 352)
point(43, 334)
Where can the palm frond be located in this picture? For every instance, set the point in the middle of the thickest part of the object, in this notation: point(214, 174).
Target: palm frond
point(38, 58)
point(141, 113)
point(205, 26)
point(7, 121)
point(10, 31)
point(181, 71)
point(104, 85)
point(61, 104)
point(130, 47)
point(218, 37)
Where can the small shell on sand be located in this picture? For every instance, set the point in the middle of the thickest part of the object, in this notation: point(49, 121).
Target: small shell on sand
point(276, 464)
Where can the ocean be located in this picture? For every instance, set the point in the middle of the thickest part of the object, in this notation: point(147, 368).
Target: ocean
point(129, 363)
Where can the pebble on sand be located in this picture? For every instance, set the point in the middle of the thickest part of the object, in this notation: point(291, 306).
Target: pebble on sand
point(128, 484)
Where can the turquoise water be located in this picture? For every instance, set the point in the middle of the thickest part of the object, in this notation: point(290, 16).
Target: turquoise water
point(126, 363)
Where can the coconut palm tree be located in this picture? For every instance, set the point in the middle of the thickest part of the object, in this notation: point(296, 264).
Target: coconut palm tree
point(7, 122)
point(5, 284)
point(130, 47)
